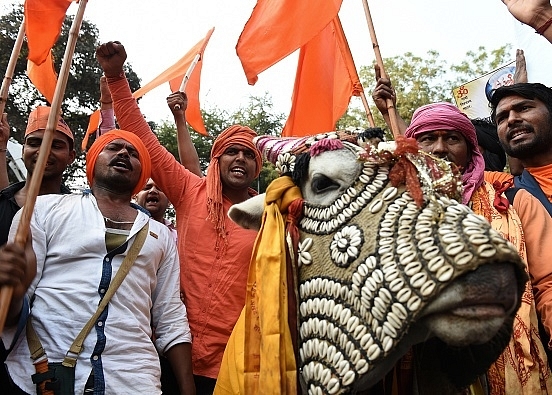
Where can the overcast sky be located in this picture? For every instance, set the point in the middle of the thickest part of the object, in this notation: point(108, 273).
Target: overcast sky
point(157, 33)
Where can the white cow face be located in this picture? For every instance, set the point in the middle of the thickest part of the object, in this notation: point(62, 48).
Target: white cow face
point(379, 273)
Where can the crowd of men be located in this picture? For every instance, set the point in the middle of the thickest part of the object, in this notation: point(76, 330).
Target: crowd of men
point(165, 328)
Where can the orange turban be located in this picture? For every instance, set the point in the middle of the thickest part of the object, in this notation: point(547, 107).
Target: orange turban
point(235, 134)
point(108, 137)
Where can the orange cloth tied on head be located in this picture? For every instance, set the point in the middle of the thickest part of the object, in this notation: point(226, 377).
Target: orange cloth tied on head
point(235, 134)
point(38, 120)
point(104, 139)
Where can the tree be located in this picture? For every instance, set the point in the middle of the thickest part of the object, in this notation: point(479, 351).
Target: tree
point(82, 92)
point(423, 80)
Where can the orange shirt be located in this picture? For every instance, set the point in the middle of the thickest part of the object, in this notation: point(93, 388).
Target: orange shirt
point(492, 176)
point(543, 176)
point(213, 284)
point(537, 232)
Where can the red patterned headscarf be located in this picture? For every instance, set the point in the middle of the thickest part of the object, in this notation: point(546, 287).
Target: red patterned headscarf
point(445, 116)
point(235, 134)
point(108, 137)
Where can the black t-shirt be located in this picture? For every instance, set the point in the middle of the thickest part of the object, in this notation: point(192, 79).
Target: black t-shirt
point(8, 209)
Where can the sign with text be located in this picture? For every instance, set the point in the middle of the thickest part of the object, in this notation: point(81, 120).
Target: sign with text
point(472, 98)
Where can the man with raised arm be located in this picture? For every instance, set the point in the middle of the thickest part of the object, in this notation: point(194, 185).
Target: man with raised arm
point(80, 243)
point(214, 252)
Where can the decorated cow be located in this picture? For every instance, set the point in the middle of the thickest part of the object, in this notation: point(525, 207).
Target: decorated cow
point(364, 256)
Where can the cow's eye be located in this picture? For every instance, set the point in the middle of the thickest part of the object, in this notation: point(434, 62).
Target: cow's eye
point(321, 183)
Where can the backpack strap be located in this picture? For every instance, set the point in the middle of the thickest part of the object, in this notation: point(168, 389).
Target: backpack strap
point(70, 360)
point(511, 194)
point(527, 181)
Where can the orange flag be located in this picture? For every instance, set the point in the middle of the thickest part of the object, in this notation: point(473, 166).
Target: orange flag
point(276, 28)
point(176, 73)
point(325, 81)
point(93, 125)
point(43, 77)
point(174, 76)
point(43, 19)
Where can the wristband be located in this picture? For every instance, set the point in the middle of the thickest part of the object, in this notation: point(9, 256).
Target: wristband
point(543, 28)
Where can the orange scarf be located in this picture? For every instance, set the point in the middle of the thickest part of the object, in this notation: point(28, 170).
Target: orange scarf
point(522, 368)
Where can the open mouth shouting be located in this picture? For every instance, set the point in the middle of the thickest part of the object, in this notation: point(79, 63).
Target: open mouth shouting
point(238, 171)
point(152, 200)
point(121, 164)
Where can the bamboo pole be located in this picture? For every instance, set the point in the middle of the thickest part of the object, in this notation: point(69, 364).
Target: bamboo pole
point(390, 106)
point(367, 109)
point(36, 179)
point(197, 58)
point(187, 76)
point(6, 82)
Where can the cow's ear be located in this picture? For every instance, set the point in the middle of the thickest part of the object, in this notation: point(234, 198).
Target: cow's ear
point(248, 214)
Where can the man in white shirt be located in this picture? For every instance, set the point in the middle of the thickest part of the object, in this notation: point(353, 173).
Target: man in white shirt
point(78, 244)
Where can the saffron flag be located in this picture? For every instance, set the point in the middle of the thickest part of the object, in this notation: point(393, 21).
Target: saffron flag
point(43, 21)
point(276, 28)
point(43, 77)
point(176, 73)
point(174, 76)
point(325, 81)
point(93, 125)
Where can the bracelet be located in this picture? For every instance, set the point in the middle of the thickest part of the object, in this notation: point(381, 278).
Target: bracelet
point(106, 102)
point(543, 28)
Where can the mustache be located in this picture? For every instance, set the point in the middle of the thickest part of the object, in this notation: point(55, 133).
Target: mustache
point(517, 128)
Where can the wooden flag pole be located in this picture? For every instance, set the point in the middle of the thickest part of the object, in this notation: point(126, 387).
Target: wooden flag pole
point(36, 179)
point(197, 58)
point(187, 76)
point(367, 109)
point(189, 73)
point(6, 82)
point(390, 106)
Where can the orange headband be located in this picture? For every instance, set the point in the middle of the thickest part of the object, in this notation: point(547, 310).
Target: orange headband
point(235, 134)
point(108, 137)
point(241, 135)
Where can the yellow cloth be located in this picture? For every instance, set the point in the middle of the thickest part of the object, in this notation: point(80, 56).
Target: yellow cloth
point(522, 368)
point(269, 365)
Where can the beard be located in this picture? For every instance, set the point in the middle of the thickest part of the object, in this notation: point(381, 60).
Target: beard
point(539, 144)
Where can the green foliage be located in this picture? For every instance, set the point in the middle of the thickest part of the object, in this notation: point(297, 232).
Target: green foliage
point(422, 80)
point(82, 92)
point(256, 114)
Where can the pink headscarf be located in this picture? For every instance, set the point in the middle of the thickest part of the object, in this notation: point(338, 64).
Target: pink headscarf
point(445, 116)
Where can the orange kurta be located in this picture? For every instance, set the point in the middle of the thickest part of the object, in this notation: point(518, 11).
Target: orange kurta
point(213, 283)
point(522, 368)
